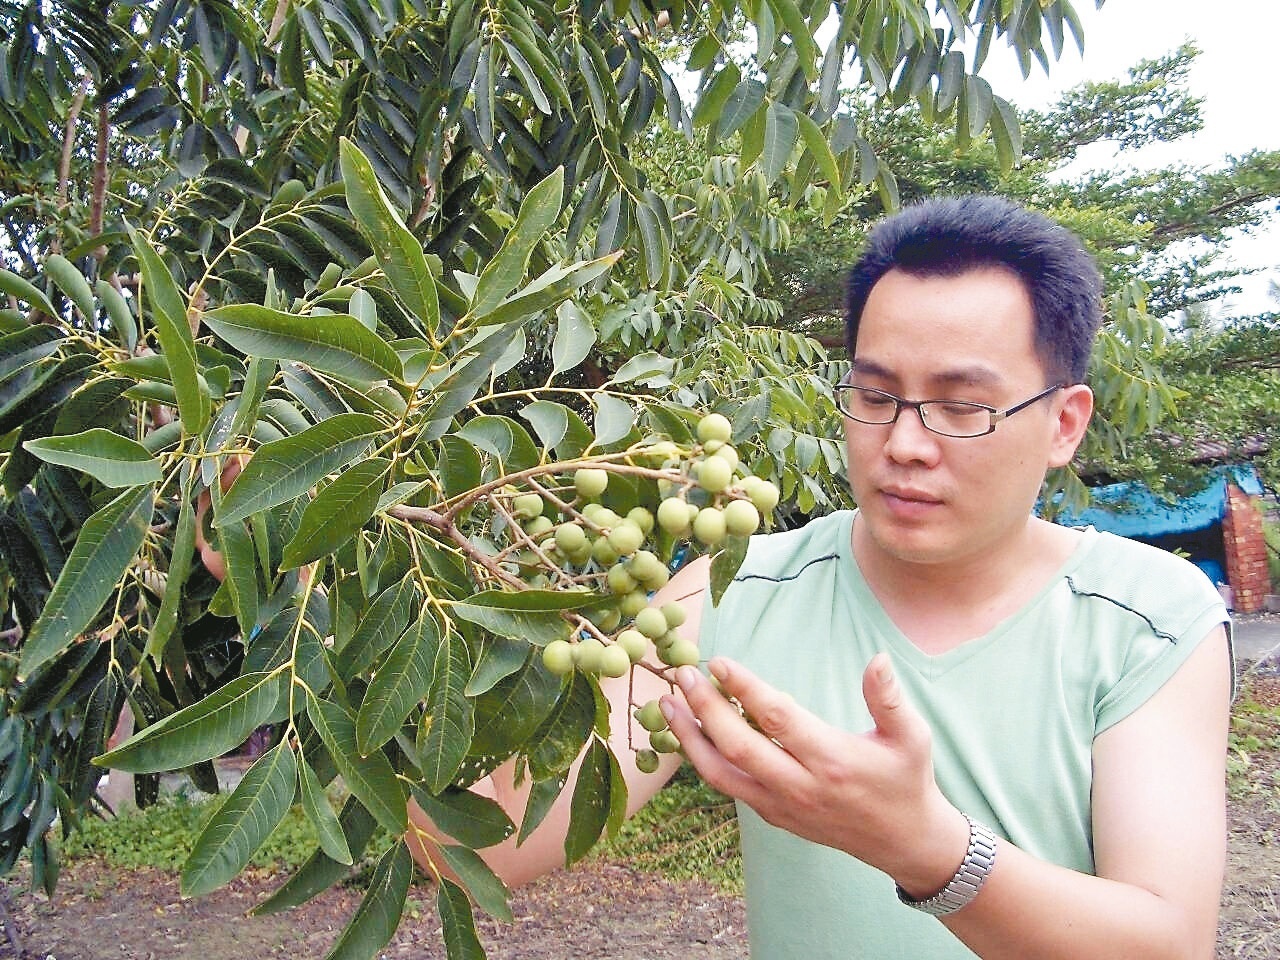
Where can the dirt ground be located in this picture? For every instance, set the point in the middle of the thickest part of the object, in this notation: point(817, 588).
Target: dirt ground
point(597, 911)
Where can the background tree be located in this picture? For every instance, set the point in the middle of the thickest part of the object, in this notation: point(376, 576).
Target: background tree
point(423, 272)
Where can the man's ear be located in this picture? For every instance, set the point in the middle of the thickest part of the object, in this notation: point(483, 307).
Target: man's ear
point(1073, 407)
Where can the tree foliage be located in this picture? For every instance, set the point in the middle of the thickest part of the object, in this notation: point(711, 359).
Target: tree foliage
point(398, 266)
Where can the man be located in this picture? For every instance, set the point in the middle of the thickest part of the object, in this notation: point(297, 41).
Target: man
point(961, 711)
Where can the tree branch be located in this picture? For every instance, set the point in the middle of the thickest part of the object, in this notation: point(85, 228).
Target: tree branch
point(100, 179)
point(68, 147)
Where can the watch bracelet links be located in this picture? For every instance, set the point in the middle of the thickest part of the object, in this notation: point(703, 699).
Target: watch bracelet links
point(968, 879)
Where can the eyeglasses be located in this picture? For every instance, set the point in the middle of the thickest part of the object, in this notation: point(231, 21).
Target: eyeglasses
point(950, 418)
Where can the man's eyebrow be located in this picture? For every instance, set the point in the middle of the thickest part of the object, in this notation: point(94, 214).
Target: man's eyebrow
point(975, 375)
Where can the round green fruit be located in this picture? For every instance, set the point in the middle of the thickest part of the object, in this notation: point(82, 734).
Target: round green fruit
point(715, 426)
point(590, 482)
point(603, 553)
point(620, 579)
point(557, 656)
point(588, 654)
point(763, 493)
point(647, 761)
point(709, 526)
point(614, 661)
point(714, 474)
point(651, 622)
point(650, 717)
point(538, 527)
point(527, 506)
point(741, 518)
point(626, 537)
point(673, 516)
point(645, 566)
point(635, 643)
point(682, 653)
point(664, 741)
point(570, 538)
point(642, 518)
point(728, 454)
point(633, 602)
point(674, 613)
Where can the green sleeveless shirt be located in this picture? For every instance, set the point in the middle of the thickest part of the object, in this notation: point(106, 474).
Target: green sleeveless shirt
point(1013, 714)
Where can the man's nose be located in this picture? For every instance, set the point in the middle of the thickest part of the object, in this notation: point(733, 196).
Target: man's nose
point(909, 440)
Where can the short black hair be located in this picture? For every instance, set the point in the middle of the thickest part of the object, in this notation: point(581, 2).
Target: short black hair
point(952, 235)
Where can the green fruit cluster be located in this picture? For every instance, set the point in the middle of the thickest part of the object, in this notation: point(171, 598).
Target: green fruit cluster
point(707, 495)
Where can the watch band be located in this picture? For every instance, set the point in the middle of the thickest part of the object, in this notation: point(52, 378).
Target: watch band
point(968, 879)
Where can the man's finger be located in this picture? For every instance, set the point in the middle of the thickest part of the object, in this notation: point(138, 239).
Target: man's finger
point(774, 712)
point(894, 717)
point(702, 753)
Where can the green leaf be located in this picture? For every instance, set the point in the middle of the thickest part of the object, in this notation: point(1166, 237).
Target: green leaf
point(468, 817)
point(461, 385)
point(457, 922)
point(575, 336)
point(1006, 133)
point(169, 313)
point(538, 213)
point(107, 544)
point(725, 564)
point(716, 94)
point(71, 282)
point(382, 624)
point(654, 242)
point(500, 657)
point(398, 252)
point(589, 809)
point(542, 796)
point(337, 512)
point(741, 105)
point(449, 723)
point(402, 680)
point(481, 882)
point(370, 778)
point(791, 17)
point(378, 915)
point(287, 468)
point(780, 132)
point(316, 806)
point(21, 289)
point(550, 288)
point(536, 627)
point(333, 343)
point(243, 823)
point(532, 599)
point(321, 871)
point(216, 725)
point(112, 460)
point(614, 418)
point(561, 736)
point(818, 145)
point(184, 544)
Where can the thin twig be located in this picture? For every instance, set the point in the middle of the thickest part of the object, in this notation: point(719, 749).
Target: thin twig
point(10, 928)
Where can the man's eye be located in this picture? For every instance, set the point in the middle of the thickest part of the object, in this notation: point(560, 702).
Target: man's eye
point(960, 409)
point(875, 399)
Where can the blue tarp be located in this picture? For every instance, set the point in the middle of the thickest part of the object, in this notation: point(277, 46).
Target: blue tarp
point(1132, 510)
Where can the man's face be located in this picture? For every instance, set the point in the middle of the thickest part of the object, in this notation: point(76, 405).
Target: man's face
point(926, 498)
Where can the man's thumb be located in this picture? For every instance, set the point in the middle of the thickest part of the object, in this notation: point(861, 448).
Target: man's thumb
point(880, 688)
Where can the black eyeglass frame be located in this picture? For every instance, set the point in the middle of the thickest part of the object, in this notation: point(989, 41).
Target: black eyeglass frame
point(899, 403)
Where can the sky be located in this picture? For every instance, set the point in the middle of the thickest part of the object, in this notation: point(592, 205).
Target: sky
point(1234, 75)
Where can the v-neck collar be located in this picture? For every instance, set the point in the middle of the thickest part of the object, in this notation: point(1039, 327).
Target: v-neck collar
point(865, 610)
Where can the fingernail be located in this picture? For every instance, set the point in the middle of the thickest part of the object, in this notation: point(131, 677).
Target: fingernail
point(667, 707)
point(687, 677)
point(886, 671)
point(719, 669)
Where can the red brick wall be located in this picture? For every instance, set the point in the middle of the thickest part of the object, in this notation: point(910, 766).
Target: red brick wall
point(1246, 552)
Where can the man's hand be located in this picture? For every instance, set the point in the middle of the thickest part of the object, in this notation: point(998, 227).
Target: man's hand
point(872, 795)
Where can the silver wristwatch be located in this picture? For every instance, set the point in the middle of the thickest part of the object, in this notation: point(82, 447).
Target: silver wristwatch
point(968, 880)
